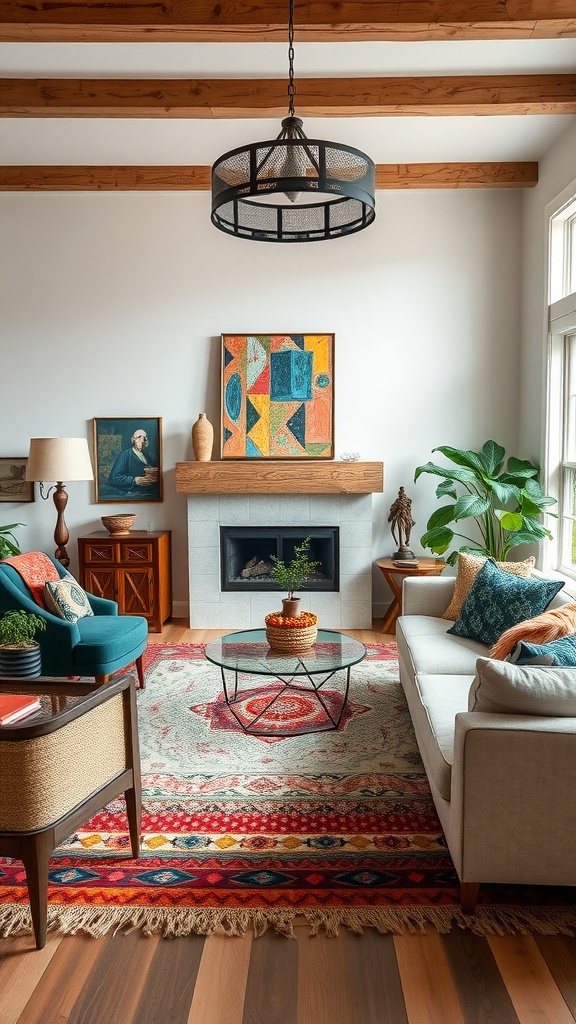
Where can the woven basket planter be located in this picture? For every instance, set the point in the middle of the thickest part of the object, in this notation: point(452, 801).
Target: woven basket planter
point(291, 640)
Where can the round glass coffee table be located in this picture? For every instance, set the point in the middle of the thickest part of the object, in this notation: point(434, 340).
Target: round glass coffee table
point(291, 697)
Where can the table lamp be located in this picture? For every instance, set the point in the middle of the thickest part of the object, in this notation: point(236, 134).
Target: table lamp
point(59, 458)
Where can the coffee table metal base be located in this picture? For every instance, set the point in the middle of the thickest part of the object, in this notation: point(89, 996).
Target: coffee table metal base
point(312, 689)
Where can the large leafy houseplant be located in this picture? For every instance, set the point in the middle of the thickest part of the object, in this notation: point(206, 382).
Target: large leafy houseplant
point(506, 502)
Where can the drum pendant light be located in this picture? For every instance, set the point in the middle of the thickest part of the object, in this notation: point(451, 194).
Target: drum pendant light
point(329, 187)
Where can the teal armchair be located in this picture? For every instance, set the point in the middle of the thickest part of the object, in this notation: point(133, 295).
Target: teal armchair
point(96, 645)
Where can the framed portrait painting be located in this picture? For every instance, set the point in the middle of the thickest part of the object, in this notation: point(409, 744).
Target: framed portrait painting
point(277, 396)
point(13, 483)
point(128, 459)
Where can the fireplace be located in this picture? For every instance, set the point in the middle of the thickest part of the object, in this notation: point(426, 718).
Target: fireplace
point(246, 562)
point(296, 494)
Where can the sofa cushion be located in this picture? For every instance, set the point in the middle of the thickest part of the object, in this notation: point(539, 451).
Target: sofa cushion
point(561, 651)
point(441, 699)
point(503, 688)
point(424, 646)
point(498, 600)
point(468, 568)
point(542, 629)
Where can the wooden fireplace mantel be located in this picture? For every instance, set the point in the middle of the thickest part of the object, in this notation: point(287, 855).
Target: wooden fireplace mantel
point(279, 477)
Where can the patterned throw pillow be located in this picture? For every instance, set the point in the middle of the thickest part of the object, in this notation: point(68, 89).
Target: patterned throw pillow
point(468, 568)
point(498, 600)
point(66, 599)
point(559, 652)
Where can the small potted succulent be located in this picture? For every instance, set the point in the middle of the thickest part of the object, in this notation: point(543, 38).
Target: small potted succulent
point(19, 650)
point(290, 630)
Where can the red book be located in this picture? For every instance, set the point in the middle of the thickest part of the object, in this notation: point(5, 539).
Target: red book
point(14, 706)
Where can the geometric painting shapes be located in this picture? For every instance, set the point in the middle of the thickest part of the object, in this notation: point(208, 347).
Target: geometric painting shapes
point(291, 376)
point(297, 424)
point(256, 359)
point(234, 397)
point(277, 396)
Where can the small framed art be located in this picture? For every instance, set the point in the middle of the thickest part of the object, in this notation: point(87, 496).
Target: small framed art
point(277, 396)
point(128, 459)
point(13, 483)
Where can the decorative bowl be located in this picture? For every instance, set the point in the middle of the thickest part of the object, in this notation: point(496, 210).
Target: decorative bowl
point(120, 524)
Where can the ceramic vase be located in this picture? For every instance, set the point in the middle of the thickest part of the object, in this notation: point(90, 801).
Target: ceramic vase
point(202, 438)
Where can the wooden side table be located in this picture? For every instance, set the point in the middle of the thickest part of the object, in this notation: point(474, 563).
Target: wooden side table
point(394, 576)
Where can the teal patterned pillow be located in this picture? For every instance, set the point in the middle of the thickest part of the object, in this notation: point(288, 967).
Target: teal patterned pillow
point(561, 651)
point(498, 600)
point(66, 599)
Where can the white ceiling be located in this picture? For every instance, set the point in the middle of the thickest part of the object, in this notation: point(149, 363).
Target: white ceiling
point(386, 139)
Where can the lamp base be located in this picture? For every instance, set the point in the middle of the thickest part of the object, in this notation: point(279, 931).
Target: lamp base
point(61, 534)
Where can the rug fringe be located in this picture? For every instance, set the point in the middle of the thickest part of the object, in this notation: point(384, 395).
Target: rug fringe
point(173, 922)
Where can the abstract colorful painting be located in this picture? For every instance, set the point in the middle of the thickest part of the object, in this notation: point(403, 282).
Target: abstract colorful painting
point(277, 396)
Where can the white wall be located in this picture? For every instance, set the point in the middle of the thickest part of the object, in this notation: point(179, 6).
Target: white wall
point(113, 305)
point(556, 170)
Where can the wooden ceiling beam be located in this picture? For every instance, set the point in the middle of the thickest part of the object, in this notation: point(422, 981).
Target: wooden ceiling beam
point(73, 178)
point(315, 97)
point(246, 21)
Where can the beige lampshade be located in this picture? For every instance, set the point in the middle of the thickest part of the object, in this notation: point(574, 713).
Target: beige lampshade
point(59, 458)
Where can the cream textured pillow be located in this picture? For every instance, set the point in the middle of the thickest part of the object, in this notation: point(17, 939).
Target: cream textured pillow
point(505, 689)
point(468, 568)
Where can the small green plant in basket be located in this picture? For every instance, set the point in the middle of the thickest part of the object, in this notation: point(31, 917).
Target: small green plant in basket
point(291, 576)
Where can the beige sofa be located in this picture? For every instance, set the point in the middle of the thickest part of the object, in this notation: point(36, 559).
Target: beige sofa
point(503, 781)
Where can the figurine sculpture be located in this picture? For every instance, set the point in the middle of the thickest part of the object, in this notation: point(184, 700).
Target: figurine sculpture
point(402, 523)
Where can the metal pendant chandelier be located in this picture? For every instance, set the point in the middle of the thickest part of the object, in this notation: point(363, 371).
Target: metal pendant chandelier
point(292, 167)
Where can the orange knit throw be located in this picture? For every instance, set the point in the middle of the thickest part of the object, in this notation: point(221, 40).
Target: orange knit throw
point(35, 568)
point(542, 629)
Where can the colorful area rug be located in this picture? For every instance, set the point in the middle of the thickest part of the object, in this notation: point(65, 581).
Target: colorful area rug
point(336, 827)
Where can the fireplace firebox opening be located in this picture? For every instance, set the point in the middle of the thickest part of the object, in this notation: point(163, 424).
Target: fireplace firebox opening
point(245, 551)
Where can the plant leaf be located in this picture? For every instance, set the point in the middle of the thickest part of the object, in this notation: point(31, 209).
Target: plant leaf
point(534, 491)
point(465, 475)
point(470, 505)
point(520, 469)
point(511, 521)
point(441, 516)
point(470, 460)
point(493, 457)
point(504, 492)
point(438, 539)
point(446, 488)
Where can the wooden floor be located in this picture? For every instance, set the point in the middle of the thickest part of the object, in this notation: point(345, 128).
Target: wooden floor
point(372, 979)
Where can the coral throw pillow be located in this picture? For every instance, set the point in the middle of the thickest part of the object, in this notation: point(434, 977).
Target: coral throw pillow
point(468, 568)
point(542, 629)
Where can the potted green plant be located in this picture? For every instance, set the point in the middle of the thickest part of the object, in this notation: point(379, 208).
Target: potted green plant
point(19, 650)
point(8, 545)
point(293, 575)
point(505, 501)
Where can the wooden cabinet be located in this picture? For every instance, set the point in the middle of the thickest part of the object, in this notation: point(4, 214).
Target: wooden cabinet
point(134, 570)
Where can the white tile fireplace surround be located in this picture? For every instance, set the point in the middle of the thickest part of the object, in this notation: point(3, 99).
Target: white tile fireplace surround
point(279, 494)
point(210, 608)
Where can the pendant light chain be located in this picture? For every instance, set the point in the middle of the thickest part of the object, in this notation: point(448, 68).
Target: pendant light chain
point(291, 86)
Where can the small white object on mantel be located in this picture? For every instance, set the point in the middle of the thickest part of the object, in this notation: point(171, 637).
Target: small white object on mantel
point(350, 456)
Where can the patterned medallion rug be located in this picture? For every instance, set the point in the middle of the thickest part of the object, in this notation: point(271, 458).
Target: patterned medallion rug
point(241, 831)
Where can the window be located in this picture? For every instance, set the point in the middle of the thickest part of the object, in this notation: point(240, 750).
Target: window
point(560, 554)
